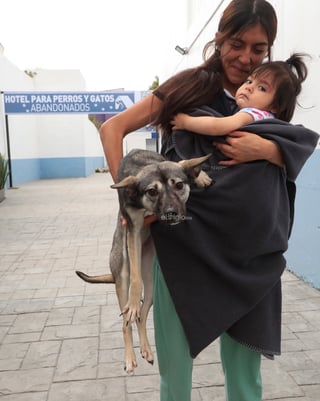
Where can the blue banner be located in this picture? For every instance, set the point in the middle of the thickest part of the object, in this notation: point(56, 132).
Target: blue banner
point(70, 102)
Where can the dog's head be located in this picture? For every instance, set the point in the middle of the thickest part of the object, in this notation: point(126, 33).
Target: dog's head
point(161, 188)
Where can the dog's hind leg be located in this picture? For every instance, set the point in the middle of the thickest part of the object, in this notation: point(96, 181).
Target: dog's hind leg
point(148, 254)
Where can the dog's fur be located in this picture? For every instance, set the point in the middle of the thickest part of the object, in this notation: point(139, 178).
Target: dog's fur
point(147, 185)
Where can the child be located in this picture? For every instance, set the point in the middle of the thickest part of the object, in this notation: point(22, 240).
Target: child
point(269, 92)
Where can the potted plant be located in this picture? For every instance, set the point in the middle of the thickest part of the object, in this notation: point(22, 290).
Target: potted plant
point(3, 175)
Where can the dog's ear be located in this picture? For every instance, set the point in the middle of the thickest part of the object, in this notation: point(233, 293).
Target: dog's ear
point(193, 166)
point(126, 182)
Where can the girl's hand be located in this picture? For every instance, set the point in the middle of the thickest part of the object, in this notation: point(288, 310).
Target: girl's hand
point(242, 147)
point(178, 121)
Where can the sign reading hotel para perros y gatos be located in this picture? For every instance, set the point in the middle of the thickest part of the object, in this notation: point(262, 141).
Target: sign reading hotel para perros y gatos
point(70, 102)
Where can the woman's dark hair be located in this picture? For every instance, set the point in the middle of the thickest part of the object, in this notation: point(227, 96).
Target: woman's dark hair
point(198, 86)
point(241, 15)
point(287, 77)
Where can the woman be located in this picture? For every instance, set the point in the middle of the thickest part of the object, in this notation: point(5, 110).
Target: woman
point(223, 265)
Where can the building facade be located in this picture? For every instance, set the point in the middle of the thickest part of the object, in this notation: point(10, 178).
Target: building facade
point(46, 145)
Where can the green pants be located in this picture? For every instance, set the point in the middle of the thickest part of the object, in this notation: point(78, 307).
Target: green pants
point(241, 365)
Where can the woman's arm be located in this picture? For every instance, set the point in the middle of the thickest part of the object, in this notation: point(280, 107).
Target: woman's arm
point(209, 125)
point(116, 128)
point(242, 147)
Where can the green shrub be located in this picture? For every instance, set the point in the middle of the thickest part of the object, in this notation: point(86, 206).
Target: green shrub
point(3, 171)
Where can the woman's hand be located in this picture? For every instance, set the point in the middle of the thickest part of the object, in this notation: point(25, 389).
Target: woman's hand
point(147, 220)
point(242, 147)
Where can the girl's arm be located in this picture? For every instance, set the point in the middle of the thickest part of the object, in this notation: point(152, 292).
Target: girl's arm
point(208, 125)
point(241, 147)
point(116, 128)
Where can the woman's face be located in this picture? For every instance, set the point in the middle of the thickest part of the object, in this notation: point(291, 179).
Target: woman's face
point(240, 54)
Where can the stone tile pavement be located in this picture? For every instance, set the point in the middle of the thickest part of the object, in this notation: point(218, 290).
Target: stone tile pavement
point(61, 339)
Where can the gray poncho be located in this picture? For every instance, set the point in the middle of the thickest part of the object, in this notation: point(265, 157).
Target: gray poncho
point(223, 264)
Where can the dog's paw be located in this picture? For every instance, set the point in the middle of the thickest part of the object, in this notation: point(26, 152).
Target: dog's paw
point(203, 180)
point(130, 363)
point(147, 354)
point(131, 312)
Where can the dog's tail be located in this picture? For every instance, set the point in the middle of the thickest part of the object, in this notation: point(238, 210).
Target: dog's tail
point(103, 279)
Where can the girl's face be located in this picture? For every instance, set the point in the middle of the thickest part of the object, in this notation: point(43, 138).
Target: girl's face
point(258, 92)
point(240, 54)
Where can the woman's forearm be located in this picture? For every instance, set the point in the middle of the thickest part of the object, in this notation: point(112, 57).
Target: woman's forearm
point(116, 128)
point(272, 153)
point(243, 147)
point(111, 138)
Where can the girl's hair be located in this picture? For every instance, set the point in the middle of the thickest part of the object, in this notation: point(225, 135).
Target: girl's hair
point(198, 86)
point(287, 77)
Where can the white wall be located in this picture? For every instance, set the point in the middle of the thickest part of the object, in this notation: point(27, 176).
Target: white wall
point(13, 79)
point(299, 31)
point(65, 135)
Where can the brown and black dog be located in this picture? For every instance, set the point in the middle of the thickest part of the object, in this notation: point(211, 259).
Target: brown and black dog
point(147, 184)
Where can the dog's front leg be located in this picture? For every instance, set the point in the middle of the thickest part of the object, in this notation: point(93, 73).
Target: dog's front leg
point(148, 254)
point(119, 264)
point(134, 241)
point(130, 361)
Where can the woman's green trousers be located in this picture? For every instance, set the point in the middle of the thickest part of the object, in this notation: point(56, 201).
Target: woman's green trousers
point(241, 365)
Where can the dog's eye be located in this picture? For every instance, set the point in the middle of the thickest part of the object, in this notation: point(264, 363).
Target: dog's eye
point(152, 192)
point(180, 185)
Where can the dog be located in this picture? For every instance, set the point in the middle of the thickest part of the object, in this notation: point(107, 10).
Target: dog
point(147, 184)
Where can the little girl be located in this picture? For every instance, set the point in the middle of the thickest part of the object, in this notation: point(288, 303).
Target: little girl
point(269, 92)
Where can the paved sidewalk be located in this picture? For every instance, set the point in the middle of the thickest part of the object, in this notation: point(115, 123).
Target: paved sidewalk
point(61, 339)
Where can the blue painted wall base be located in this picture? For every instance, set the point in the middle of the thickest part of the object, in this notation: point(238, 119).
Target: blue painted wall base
point(303, 256)
point(25, 170)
